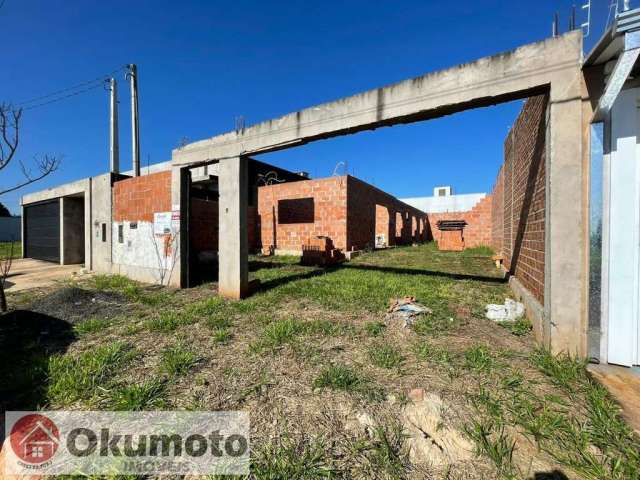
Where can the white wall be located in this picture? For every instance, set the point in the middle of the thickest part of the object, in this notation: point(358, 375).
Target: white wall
point(451, 203)
point(141, 254)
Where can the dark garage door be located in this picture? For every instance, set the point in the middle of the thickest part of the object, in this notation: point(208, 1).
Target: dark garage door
point(42, 231)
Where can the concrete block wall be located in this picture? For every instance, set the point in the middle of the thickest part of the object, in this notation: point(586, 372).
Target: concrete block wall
point(520, 198)
point(478, 231)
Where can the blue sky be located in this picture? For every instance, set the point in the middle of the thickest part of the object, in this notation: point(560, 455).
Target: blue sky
point(203, 63)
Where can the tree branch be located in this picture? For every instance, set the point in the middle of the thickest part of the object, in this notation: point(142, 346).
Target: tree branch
point(47, 164)
point(10, 130)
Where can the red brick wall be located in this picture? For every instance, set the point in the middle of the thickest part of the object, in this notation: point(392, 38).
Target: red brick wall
point(478, 231)
point(371, 212)
point(329, 213)
point(520, 190)
point(497, 212)
point(347, 210)
point(204, 225)
point(138, 198)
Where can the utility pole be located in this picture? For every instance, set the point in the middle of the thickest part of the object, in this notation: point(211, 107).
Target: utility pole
point(114, 142)
point(135, 131)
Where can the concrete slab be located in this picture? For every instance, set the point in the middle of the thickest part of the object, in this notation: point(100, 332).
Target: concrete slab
point(27, 273)
point(624, 384)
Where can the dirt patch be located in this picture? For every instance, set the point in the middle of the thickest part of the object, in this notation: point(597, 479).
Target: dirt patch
point(73, 304)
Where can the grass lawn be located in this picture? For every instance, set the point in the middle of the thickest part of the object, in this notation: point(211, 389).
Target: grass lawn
point(5, 249)
point(312, 354)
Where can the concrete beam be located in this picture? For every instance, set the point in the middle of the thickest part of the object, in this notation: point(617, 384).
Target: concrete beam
point(516, 74)
point(234, 248)
point(73, 188)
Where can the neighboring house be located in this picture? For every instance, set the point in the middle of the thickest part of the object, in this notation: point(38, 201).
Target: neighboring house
point(445, 201)
point(611, 73)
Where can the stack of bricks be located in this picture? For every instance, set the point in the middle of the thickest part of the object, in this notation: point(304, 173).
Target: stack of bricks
point(136, 199)
point(320, 251)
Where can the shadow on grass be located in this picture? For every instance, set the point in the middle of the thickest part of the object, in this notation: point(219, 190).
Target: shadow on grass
point(430, 273)
point(554, 475)
point(277, 282)
point(27, 341)
point(255, 265)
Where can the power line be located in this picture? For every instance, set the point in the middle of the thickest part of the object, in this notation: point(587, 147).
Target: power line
point(100, 79)
point(64, 97)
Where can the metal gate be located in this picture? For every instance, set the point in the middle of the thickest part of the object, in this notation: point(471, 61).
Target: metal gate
point(42, 231)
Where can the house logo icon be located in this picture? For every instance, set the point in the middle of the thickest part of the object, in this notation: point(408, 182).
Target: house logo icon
point(35, 439)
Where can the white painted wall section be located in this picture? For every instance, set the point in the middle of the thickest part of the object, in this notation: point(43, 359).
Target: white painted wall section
point(450, 203)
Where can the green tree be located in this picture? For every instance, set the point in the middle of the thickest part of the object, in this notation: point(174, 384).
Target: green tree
point(4, 211)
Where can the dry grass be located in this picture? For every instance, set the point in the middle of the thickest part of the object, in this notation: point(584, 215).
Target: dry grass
point(311, 351)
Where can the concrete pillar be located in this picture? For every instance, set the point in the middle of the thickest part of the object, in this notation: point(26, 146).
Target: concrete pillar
point(233, 244)
point(88, 253)
point(22, 230)
point(566, 276)
point(62, 230)
point(179, 203)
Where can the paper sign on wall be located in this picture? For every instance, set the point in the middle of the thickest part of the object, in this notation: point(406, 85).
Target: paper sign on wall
point(175, 220)
point(162, 223)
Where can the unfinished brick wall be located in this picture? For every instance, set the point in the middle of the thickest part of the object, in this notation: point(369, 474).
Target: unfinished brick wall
point(497, 212)
point(138, 198)
point(520, 189)
point(291, 213)
point(204, 225)
point(347, 210)
point(371, 212)
point(478, 231)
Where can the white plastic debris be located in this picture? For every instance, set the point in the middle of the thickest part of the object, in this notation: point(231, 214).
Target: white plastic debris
point(406, 309)
point(509, 312)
